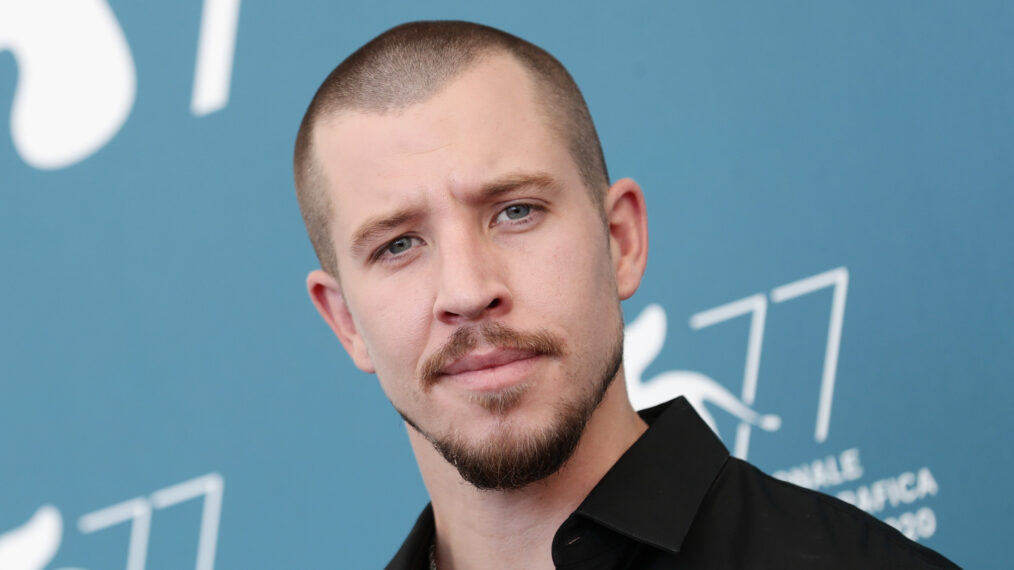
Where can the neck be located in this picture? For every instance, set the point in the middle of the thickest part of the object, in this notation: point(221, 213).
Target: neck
point(515, 529)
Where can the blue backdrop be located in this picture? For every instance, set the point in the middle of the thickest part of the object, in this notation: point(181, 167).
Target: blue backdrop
point(829, 190)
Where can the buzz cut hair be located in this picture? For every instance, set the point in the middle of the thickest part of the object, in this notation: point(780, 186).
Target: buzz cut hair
point(412, 62)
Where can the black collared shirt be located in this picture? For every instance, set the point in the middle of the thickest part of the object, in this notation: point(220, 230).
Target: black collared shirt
point(676, 499)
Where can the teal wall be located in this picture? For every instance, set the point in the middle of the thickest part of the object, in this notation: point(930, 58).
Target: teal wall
point(154, 328)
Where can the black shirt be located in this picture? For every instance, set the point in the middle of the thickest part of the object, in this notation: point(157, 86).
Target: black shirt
point(676, 499)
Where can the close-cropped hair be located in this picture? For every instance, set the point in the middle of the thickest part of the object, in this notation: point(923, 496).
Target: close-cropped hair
point(408, 64)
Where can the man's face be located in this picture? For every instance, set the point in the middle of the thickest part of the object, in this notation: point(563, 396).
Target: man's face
point(476, 277)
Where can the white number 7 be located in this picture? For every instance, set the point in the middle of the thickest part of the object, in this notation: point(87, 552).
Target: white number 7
point(138, 510)
point(839, 279)
point(216, 47)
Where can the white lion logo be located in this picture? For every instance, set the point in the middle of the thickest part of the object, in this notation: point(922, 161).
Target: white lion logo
point(76, 78)
point(32, 545)
point(643, 340)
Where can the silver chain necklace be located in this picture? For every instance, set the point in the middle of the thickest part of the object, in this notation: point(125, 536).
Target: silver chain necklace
point(433, 554)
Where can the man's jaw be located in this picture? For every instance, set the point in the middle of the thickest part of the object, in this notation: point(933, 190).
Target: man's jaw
point(512, 452)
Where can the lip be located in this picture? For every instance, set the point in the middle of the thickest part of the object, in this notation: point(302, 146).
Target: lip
point(493, 359)
point(492, 370)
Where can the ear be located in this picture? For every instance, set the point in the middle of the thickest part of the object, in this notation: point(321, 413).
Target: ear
point(326, 294)
point(628, 234)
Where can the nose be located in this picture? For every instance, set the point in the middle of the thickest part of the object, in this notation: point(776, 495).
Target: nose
point(471, 282)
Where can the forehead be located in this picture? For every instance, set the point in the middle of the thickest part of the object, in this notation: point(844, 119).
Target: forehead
point(484, 124)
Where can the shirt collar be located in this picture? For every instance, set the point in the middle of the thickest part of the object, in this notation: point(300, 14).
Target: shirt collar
point(415, 551)
point(653, 492)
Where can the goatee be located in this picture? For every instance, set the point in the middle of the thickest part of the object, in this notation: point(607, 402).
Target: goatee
point(510, 459)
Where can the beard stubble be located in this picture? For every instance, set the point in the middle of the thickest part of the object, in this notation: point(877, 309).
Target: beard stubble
point(511, 459)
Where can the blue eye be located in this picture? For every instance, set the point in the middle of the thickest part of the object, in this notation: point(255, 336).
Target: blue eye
point(517, 211)
point(399, 245)
point(519, 215)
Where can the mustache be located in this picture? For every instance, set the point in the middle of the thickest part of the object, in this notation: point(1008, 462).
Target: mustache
point(465, 339)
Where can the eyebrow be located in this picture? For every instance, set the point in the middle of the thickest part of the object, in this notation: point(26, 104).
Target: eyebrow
point(377, 226)
point(517, 181)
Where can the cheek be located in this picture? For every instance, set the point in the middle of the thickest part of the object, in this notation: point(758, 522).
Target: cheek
point(572, 271)
point(567, 284)
point(394, 324)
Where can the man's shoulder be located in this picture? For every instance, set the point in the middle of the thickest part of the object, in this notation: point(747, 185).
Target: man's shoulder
point(786, 525)
point(680, 500)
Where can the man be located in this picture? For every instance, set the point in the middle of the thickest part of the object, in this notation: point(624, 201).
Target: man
point(474, 257)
